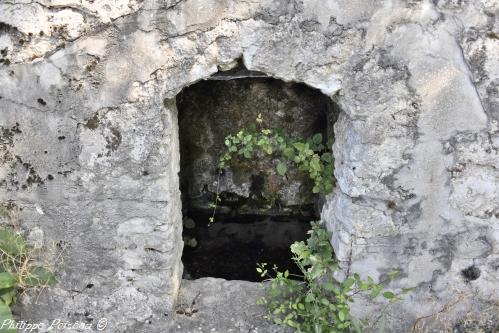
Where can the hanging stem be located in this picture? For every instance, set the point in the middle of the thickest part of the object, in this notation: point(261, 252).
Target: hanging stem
point(217, 198)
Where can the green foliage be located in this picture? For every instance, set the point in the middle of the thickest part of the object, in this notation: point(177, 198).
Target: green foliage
point(312, 302)
point(316, 303)
point(17, 271)
point(309, 155)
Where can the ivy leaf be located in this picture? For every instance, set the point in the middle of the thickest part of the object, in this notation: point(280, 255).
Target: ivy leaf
point(315, 164)
point(7, 280)
point(341, 315)
point(11, 243)
point(8, 295)
point(364, 286)
point(282, 168)
point(289, 152)
point(389, 295)
point(268, 150)
point(39, 276)
point(348, 283)
point(300, 146)
point(310, 298)
point(317, 138)
point(6, 317)
point(329, 286)
point(376, 289)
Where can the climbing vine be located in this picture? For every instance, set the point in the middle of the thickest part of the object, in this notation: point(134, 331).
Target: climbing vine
point(309, 155)
point(314, 302)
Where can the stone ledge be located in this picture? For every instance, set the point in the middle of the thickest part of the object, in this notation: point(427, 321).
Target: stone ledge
point(220, 306)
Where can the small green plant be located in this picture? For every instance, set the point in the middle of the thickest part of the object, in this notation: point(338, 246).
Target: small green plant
point(17, 271)
point(314, 302)
point(307, 155)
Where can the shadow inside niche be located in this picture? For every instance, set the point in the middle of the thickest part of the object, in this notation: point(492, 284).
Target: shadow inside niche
point(261, 213)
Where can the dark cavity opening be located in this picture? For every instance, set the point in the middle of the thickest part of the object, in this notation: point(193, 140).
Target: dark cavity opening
point(261, 213)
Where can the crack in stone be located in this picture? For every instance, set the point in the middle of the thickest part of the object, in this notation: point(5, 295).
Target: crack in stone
point(24, 105)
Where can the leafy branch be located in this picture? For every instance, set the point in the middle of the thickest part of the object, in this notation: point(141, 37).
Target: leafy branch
point(312, 301)
point(316, 302)
point(309, 155)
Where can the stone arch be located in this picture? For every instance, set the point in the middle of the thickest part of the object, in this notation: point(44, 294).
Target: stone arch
point(329, 89)
point(280, 208)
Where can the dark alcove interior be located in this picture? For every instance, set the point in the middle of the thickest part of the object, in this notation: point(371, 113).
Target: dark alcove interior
point(261, 213)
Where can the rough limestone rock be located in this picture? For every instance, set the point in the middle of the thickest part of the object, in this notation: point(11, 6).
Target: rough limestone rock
point(89, 141)
point(220, 306)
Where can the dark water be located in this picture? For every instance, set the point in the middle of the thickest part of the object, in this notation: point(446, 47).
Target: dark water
point(231, 247)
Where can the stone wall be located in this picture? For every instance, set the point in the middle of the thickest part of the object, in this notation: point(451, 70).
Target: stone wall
point(90, 139)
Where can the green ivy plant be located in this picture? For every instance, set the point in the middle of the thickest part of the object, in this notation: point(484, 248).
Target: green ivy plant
point(314, 302)
point(17, 271)
point(309, 155)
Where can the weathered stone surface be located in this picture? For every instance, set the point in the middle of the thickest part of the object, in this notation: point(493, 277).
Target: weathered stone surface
point(89, 144)
point(220, 306)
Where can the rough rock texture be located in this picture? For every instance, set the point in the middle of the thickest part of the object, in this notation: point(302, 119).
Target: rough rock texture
point(219, 306)
point(90, 141)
